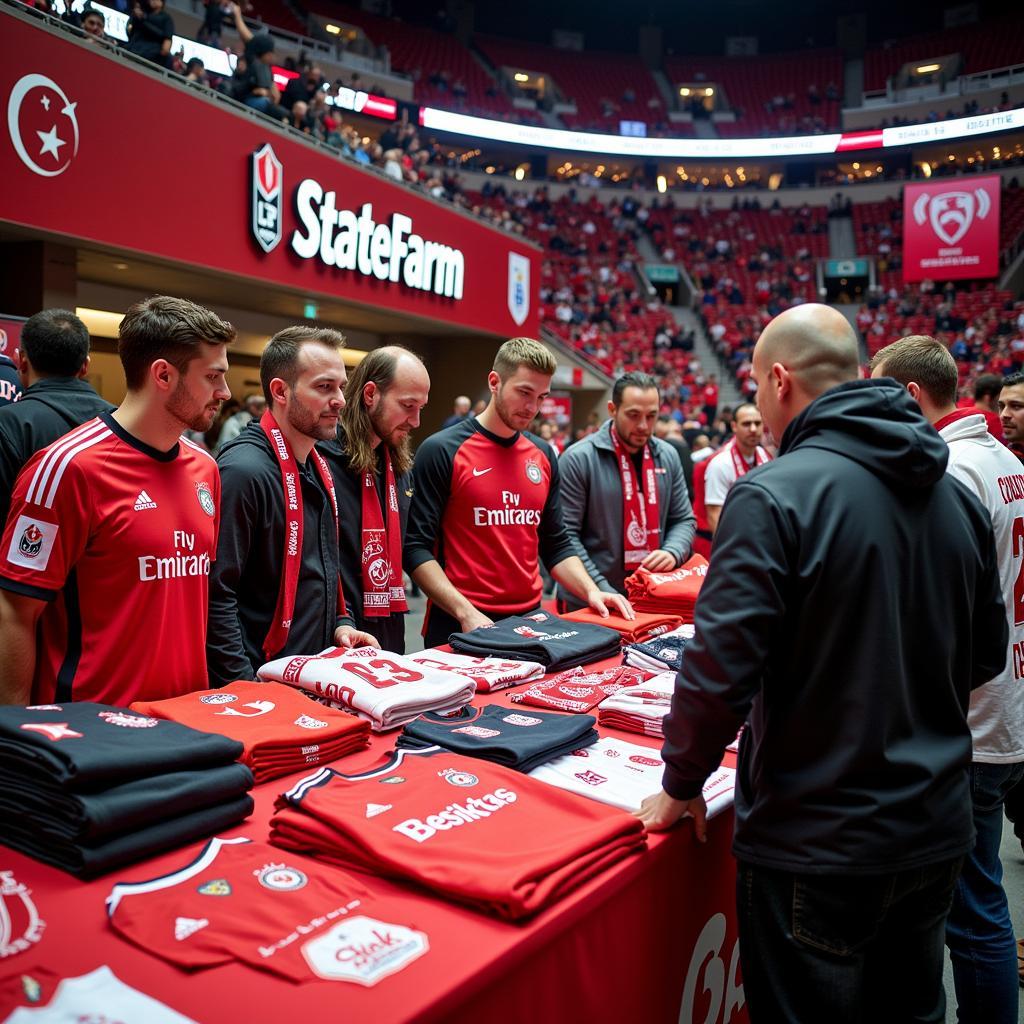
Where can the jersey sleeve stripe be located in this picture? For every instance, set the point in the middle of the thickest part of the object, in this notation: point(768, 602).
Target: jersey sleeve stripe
point(65, 462)
point(198, 448)
point(206, 857)
point(46, 463)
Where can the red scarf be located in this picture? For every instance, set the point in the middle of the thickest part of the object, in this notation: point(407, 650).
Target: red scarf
point(383, 591)
point(640, 522)
point(292, 488)
point(740, 463)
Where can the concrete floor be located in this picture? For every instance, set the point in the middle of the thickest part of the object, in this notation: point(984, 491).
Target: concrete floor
point(1012, 854)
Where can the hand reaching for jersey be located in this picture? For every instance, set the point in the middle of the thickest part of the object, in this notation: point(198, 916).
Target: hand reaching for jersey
point(659, 561)
point(474, 619)
point(603, 602)
point(346, 636)
point(660, 812)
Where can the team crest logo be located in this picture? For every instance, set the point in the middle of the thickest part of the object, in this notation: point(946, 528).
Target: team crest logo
point(31, 542)
point(533, 473)
point(306, 722)
point(478, 732)
point(20, 924)
point(635, 533)
point(205, 496)
point(591, 778)
point(951, 214)
point(52, 730)
point(281, 877)
point(36, 103)
point(267, 178)
point(379, 572)
point(217, 887)
point(218, 698)
point(456, 778)
point(518, 287)
point(127, 721)
point(530, 633)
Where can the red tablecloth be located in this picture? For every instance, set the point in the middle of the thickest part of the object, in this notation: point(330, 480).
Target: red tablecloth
point(652, 939)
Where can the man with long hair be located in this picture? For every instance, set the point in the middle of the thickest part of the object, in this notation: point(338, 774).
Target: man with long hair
point(371, 462)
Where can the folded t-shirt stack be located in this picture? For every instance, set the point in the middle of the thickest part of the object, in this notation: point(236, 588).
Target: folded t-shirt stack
point(624, 774)
point(633, 631)
point(89, 787)
point(386, 689)
point(640, 708)
point(499, 734)
point(577, 689)
point(554, 642)
point(282, 730)
point(664, 653)
point(489, 674)
point(473, 831)
point(671, 593)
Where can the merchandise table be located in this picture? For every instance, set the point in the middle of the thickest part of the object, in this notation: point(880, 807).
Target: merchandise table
point(653, 939)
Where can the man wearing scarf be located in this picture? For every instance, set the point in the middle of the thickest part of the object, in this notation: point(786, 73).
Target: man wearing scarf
point(734, 459)
point(624, 494)
point(275, 587)
point(371, 462)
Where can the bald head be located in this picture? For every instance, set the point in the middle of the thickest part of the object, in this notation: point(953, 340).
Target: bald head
point(815, 343)
point(800, 355)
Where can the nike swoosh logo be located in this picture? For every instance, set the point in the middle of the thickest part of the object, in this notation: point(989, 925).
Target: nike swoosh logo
point(480, 472)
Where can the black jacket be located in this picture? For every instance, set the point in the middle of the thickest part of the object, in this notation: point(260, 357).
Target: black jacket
point(852, 604)
point(389, 630)
point(246, 577)
point(47, 409)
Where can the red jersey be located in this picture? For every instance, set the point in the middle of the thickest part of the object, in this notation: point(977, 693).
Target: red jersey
point(118, 538)
point(485, 506)
point(239, 900)
point(477, 832)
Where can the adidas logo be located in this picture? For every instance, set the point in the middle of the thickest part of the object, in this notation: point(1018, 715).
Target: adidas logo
point(372, 810)
point(144, 501)
point(186, 926)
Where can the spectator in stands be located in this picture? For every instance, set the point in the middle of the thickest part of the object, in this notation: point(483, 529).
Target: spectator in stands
point(94, 25)
point(709, 398)
point(670, 431)
point(195, 71)
point(304, 88)
point(53, 362)
point(1011, 413)
point(299, 118)
point(150, 31)
point(216, 13)
point(853, 805)
point(253, 407)
point(459, 412)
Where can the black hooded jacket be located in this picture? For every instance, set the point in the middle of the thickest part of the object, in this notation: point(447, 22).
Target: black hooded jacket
point(245, 579)
point(852, 604)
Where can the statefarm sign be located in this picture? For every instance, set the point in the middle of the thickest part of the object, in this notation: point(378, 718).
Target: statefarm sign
point(951, 229)
point(204, 186)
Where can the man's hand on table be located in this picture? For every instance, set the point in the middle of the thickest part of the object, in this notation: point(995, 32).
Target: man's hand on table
point(474, 619)
point(660, 812)
point(347, 636)
point(603, 602)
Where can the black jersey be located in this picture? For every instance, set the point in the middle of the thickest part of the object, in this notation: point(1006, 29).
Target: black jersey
point(554, 642)
point(517, 739)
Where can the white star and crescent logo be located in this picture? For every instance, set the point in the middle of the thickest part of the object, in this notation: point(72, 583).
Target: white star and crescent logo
point(54, 148)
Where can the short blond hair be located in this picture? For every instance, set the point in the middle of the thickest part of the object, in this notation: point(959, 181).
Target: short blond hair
point(528, 352)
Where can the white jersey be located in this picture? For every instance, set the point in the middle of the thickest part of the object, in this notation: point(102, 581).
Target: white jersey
point(721, 473)
point(98, 996)
point(489, 674)
point(624, 774)
point(386, 689)
point(639, 708)
point(992, 473)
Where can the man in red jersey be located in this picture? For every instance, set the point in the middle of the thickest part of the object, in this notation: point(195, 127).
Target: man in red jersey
point(112, 528)
point(485, 506)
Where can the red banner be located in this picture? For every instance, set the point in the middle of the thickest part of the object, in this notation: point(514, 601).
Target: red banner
point(951, 229)
point(99, 151)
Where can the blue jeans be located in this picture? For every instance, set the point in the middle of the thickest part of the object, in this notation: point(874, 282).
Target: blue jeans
point(979, 933)
point(844, 949)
